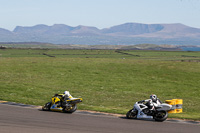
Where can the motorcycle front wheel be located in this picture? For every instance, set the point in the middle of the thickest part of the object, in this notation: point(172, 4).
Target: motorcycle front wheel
point(46, 107)
point(71, 110)
point(161, 116)
point(131, 114)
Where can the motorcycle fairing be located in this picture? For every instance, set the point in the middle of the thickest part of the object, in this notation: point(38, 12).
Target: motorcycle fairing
point(55, 108)
point(75, 100)
point(164, 106)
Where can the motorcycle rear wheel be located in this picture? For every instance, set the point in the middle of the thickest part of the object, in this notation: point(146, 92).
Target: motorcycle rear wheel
point(161, 116)
point(73, 109)
point(131, 114)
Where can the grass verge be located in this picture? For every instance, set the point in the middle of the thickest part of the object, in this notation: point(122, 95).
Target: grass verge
point(106, 84)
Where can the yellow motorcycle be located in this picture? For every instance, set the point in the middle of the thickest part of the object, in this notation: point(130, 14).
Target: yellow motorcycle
point(59, 104)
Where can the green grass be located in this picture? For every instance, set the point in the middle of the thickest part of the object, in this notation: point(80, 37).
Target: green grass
point(107, 80)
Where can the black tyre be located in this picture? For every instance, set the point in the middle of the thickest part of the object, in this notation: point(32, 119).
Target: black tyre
point(131, 114)
point(161, 116)
point(71, 110)
point(46, 107)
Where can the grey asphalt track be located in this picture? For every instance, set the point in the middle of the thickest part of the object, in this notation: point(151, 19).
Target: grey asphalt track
point(19, 119)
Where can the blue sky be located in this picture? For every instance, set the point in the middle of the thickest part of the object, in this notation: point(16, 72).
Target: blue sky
point(98, 13)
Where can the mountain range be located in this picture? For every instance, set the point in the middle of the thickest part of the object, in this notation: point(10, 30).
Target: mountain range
point(124, 34)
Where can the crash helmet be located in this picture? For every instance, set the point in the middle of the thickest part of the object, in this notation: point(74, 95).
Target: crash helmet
point(153, 97)
point(67, 93)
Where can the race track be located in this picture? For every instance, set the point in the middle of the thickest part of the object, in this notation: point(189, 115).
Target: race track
point(17, 119)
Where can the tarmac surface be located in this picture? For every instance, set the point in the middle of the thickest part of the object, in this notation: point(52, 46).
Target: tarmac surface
point(19, 118)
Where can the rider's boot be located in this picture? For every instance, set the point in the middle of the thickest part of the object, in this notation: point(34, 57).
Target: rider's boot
point(142, 115)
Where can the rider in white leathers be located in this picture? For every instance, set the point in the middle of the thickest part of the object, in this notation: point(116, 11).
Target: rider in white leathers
point(153, 102)
point(65, 96)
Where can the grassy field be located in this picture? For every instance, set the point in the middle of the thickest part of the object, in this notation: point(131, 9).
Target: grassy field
point(107, 80)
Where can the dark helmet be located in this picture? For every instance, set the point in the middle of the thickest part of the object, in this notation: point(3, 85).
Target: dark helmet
point(153, 97)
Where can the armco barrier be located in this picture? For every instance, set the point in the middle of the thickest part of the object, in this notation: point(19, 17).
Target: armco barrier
point(176, 105)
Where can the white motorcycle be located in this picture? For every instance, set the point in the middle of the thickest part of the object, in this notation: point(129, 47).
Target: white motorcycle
point(158, 113)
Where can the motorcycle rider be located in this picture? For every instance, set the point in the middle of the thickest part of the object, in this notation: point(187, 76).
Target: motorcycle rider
point(151, 103)
point(65, 96)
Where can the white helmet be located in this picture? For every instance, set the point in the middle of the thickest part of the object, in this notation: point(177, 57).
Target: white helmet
point(153, 97)
point(67, 93)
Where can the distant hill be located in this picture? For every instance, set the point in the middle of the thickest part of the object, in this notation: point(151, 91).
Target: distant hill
point(131, 29)
point(124, 34)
